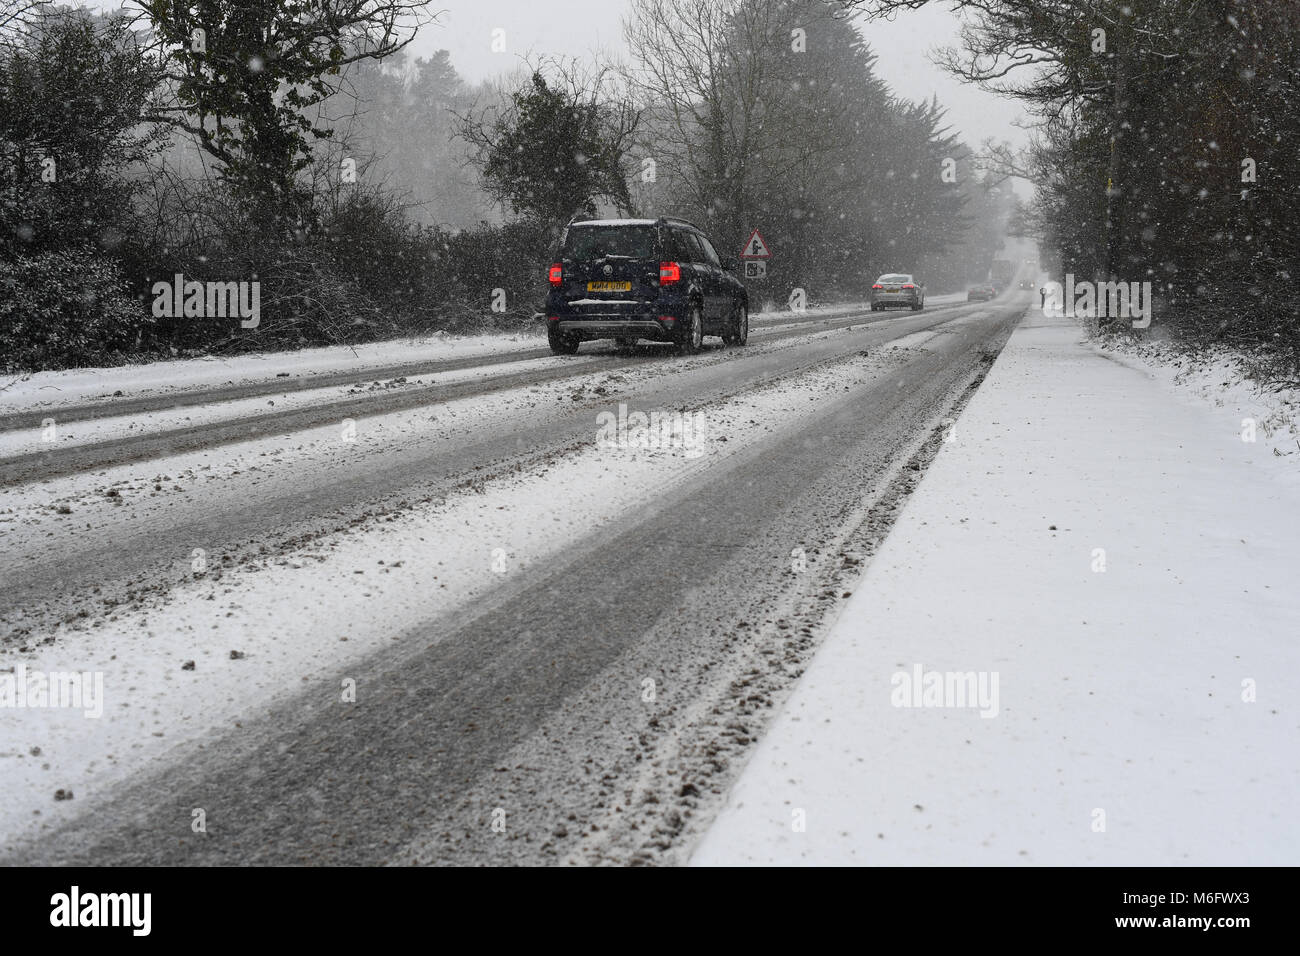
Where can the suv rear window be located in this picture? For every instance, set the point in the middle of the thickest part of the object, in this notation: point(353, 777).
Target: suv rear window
point(679, 247)
point(595, 242)
point(710, 255)
point(689, 245)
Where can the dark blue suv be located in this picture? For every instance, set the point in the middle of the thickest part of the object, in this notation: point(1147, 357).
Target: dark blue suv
point(629, 279)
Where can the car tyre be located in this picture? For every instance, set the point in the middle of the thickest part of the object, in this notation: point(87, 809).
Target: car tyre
point(690, 338)
point(561, 344)
point(738, 328)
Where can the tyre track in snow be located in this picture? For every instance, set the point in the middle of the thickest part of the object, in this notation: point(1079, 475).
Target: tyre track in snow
point(192, 398)
point(532, 705)
point(52, 578)
point(57, 461)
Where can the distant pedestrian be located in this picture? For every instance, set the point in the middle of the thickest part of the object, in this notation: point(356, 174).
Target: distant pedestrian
point(1042, 297)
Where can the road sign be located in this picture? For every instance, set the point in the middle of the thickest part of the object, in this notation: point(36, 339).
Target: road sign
point(755, 247)
point(755, 269)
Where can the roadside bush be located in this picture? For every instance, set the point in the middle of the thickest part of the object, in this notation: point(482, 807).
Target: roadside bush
point(512, 257)
point(65, 309)
point(1256, 318)
point(360, 271)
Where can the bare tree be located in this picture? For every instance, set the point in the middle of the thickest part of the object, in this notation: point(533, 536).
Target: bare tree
point(720, 79)
point(18, 16)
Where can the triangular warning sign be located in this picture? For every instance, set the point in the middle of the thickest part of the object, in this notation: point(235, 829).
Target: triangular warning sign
point(755, 247)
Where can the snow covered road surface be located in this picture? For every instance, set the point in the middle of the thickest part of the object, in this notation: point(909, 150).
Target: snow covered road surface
point(1132, 628)
point(441, 644)
point(37, 442)
point(54, 390)
point(369, 586)
point(107, 528)
point(76, 394)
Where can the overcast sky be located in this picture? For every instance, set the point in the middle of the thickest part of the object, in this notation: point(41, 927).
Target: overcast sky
point(581, 27)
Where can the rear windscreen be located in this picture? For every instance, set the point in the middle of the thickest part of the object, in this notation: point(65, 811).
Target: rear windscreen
point(894, 278)
point(594, 242)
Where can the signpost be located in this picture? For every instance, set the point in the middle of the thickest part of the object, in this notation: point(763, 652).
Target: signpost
point(755, 256)
point(755, 247)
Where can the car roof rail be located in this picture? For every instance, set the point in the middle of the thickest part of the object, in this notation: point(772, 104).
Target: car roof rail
point(585, 217)
point(662, 220)
point(680, 221)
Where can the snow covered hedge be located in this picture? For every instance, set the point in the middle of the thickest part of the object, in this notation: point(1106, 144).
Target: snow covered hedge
point(66, 308)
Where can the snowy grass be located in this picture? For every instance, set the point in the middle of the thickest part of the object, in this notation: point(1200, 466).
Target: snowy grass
point(1220, 378)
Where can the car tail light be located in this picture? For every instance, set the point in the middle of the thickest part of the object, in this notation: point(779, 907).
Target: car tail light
point(909, 286)
point(667, 318)
point(877, 286)
point(669, 272)
point(556, 274)
point(553, 318)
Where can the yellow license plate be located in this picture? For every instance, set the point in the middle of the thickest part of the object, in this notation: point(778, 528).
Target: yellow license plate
point(892, 288)
point(609, 287)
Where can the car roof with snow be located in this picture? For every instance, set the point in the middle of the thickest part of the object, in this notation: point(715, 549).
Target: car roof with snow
point(614, 222)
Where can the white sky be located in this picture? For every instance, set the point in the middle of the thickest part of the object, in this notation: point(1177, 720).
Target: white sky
point(581, 27)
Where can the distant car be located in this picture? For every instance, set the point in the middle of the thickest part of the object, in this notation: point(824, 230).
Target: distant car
point(629, 279)
point(980, 293)
point(1027, 284)
point(897, 289)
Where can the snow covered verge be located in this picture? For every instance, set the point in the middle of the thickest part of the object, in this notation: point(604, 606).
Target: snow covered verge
point(1268, 418)
point(1077, 645)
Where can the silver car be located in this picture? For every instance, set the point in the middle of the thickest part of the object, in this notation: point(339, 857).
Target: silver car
point(898, 290)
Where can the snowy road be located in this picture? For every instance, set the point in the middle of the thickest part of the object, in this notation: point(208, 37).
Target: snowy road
point(43, 439)
point(462, 631)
